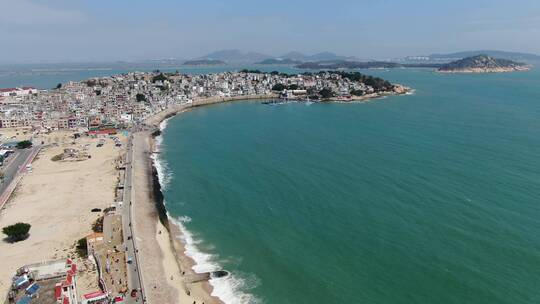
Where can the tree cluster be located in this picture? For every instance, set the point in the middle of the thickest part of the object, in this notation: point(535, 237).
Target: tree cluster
point(160, 77)
point(140, 97)
point(17, 232)
point(357, 92)
point(97, 226)
point(82, 248)
point(280, 87)
point(326, 93)
point(251, 71)
point(378, 84)
point(24, 144)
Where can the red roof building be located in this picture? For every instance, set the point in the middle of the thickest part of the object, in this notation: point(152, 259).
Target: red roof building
point(97, 297)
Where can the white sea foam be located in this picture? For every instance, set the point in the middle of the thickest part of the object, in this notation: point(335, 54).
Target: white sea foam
point(164, 175)
point(159, 139)
point(184, 219)
point(163, 124)
point(411, 92)
point(231, 289)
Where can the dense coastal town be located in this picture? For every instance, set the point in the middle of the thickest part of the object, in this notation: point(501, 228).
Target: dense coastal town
point(121, 100)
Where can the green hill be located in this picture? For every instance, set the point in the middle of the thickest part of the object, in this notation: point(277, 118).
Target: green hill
point(483, 63)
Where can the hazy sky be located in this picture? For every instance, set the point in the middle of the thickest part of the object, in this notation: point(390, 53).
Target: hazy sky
point(94, 30)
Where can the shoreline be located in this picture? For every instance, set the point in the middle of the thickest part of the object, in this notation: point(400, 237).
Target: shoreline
point(160, 262)
point(401, 90)
point(174, 232)
point(171, 240)
point(156, 119)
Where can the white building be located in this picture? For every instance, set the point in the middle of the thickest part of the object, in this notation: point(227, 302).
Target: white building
point(16, 92)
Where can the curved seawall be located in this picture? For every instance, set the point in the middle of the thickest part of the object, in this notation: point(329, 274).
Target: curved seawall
point(189, 258)
point(226, 288)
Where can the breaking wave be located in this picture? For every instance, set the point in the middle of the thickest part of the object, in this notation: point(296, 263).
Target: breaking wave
point(229, 289)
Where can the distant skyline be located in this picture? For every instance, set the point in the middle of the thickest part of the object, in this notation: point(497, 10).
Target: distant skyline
point(84, 31)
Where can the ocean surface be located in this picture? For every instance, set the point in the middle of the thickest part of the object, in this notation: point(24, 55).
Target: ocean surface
point(428, 198)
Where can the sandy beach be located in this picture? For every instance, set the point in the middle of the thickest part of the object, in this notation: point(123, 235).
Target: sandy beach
point(56, 198)
point(172, 272)
point(163, 267)
point(168, 245)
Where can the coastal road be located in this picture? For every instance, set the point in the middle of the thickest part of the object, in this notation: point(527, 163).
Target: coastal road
point(13, 166)
point(133, 268)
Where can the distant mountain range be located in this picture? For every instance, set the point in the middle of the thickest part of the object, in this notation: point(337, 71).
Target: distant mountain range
point(324, 56)
point(204, 62)
point(473, 64)
point(527, 57)
point(237, 56)
point(328, 58)
point(343, 64)
point(286, 61)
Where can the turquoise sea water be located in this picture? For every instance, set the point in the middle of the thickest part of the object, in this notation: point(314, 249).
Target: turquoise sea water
point(429, 198)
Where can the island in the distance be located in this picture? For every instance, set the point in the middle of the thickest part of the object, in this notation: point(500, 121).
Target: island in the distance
point(204, 62)
point(273, 61)
point(483, 64)
point(344, 64)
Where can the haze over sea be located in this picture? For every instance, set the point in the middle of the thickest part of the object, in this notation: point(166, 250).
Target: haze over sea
point(429, 198)
point(47, 76)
